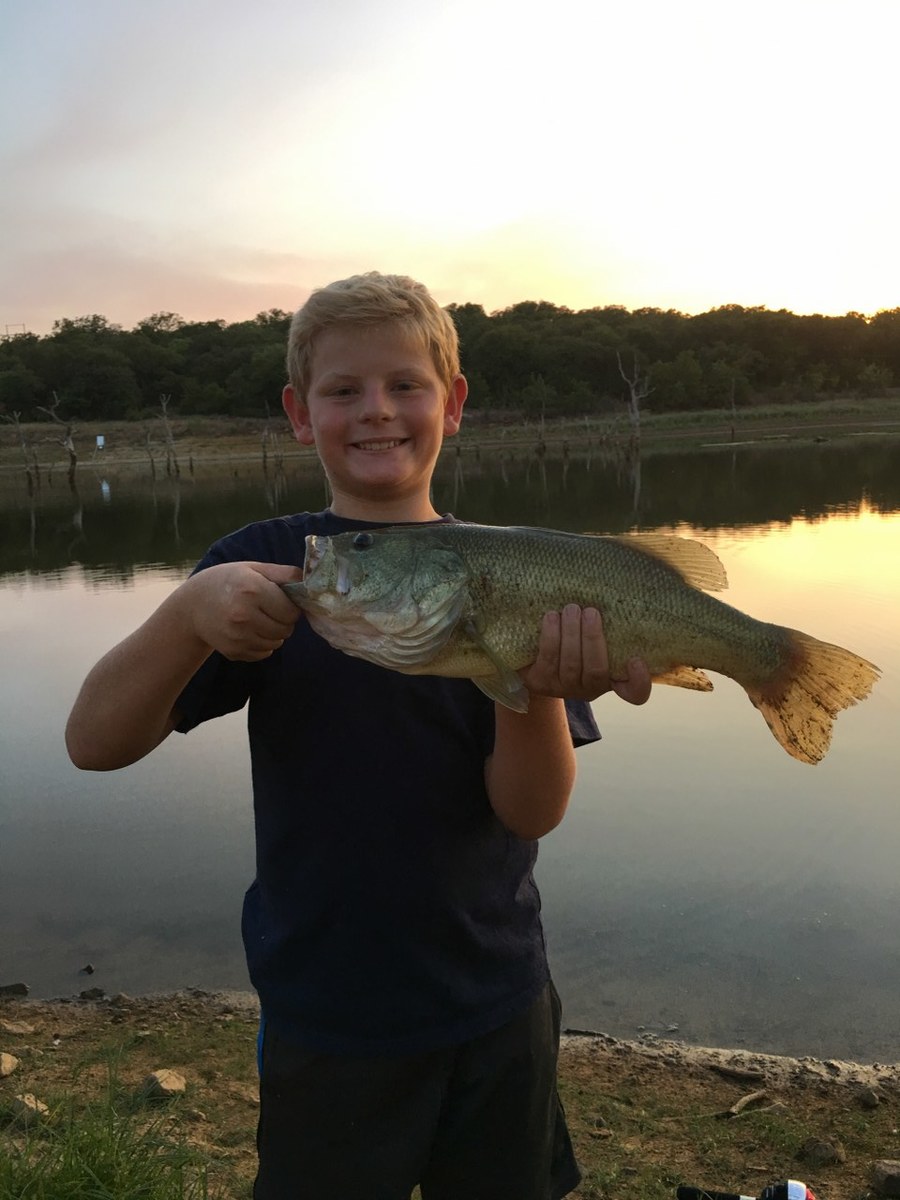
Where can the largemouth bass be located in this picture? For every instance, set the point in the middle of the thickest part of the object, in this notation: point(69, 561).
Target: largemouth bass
point(467, 600)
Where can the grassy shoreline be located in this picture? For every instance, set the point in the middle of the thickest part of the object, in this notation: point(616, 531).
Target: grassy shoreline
point(644, 1115)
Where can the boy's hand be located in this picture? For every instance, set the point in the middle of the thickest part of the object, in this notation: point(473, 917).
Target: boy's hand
point(240, 610)
point(573, 662)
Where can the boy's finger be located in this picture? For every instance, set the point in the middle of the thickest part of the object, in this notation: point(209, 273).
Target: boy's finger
point(270, 627)
point(594, 651)
point(547, 660)
point(636, 688)
point(273, 601)
point(570, 649)
point(278, 606)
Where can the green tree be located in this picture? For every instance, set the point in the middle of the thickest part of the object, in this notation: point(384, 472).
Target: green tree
point(538, 399)
point(480, 395)
point(726, 385)
point(471, 322)
point(276, 320)
point(92, 325)
point(873, 379)
point(884, 339)
point(254, 387)
point(678, 385)
point(160, 324)
point(20, 387)
point(506, 357)
point(204, 398)
point(580, 400)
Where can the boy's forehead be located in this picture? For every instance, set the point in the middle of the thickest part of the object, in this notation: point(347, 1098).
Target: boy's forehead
point(351, 349)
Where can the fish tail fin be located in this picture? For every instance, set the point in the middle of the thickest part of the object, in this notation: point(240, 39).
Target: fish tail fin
point(815, 682)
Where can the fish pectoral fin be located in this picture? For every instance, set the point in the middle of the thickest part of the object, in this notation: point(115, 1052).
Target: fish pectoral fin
point(685, 677)
point(503, 685)
point(506, 688)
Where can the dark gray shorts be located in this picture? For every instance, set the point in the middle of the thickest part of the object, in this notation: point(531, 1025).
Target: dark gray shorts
point(480, 1121)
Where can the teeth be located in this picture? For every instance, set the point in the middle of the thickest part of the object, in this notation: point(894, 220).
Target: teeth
point(379, 445)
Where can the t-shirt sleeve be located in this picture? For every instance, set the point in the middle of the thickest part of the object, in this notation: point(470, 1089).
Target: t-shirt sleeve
point(582, 725)
point(218, 687)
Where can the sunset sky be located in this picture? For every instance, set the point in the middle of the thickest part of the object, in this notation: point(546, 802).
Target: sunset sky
point(219, 159)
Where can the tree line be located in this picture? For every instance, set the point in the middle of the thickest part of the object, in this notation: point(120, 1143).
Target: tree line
point(534, 358)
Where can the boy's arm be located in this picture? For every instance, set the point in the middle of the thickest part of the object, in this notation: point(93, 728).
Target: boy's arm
point(126, 704)
point(530, 774)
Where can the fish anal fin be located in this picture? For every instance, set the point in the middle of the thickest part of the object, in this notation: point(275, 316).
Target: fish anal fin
point(685, 677)
point(506, 688)
point(695, 562)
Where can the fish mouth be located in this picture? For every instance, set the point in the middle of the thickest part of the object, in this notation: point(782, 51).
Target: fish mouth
point(314, 555)
point(317, 549)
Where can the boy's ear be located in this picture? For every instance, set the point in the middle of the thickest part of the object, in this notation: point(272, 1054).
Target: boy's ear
point(298, 415)
point(453, 408)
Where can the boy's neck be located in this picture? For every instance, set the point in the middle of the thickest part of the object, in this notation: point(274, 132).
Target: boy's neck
point(400, 511)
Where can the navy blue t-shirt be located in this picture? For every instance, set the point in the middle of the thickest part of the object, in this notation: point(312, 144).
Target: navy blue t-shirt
point(391, 912)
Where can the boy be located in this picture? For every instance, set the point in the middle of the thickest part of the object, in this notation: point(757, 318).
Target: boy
point(410, 1029)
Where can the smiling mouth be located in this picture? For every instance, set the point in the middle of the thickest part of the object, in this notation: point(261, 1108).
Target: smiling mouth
point(390, 444)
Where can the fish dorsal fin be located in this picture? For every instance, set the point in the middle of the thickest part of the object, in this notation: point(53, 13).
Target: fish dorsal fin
point(695, 563)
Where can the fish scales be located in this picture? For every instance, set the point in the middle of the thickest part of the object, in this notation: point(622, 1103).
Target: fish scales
point(647, 610)
point(466, 600)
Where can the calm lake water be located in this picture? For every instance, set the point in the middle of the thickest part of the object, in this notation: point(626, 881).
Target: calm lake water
point(704, 885)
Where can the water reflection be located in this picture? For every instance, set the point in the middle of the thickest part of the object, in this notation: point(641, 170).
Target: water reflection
point(728, 890)
point(173, 519)
point(702, 878)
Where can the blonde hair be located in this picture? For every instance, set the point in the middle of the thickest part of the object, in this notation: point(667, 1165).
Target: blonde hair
point(369, 300)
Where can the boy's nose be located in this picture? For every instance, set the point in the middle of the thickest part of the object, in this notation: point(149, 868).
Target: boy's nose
point(377, 404)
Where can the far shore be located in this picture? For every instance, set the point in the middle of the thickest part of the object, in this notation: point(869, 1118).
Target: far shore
point(199, 440)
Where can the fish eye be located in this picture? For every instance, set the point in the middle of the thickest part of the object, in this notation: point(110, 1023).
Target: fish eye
point(362, 540)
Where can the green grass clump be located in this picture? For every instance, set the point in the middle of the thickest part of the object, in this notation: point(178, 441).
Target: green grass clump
point(99, 1152)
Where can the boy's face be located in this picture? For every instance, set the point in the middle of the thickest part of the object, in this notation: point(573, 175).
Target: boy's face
point(377, 413)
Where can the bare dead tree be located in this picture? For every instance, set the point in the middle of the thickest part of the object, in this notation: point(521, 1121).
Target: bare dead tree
point(638, 384)
point(270, 441)
point(149, 448)
point(32, 471)
point(67, 441)
point(172, 467)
